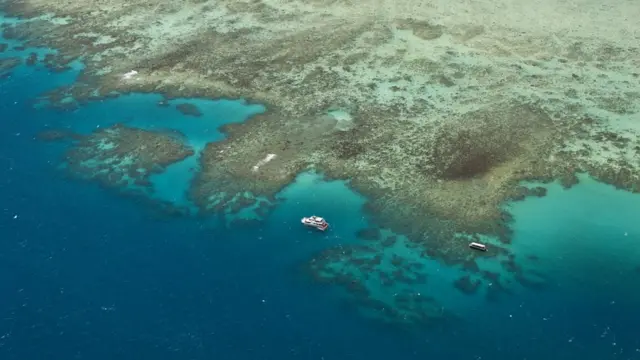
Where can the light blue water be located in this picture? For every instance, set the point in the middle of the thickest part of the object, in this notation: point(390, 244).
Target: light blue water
point(88, 274)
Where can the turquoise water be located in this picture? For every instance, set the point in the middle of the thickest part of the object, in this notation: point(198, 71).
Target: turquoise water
point(87, 272)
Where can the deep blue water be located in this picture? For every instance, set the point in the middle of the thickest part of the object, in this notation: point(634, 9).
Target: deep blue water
point(88, 274)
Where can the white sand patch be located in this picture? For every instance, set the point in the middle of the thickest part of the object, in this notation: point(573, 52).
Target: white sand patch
point(262, 162)
point(104, 40)
point(129, 75)
point(104, 71)
point(344, 120)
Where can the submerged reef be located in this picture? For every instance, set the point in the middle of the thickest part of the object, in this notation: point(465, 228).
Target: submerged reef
point(437, 119)
point(120, 156)
point(58, 135)
point(385, 265)
point(123, 158)
point(7, 66)
point(382, 284)
point(189, 109)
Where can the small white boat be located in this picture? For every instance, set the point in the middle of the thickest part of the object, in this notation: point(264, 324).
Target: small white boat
point(315, 222)
point(478, 246)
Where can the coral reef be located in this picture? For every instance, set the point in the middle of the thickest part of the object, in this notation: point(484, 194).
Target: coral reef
point(7, 66)
point(58, 135)
point(380, 284)
point(387, 275)
point(244, 163)
point(189, 109)
point(436, 118)
point(467, 285)
point(123, 157)
point(444, 129)
point(32, 59)
point(57, 63)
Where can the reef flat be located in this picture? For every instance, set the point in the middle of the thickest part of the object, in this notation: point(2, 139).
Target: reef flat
point(119, 156)
point(435, 110)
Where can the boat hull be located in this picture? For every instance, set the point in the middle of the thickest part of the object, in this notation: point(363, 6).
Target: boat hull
point(317, 227)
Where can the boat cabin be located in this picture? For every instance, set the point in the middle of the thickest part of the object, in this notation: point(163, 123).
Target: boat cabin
point(316, 222)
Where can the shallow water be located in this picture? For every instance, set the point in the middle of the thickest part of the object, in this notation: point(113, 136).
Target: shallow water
point(88, 273)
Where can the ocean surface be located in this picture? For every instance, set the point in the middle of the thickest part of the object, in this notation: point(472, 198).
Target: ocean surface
point(87, 273)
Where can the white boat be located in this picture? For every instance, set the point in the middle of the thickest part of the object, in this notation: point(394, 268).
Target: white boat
point(478, 246)
point(315, 222)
